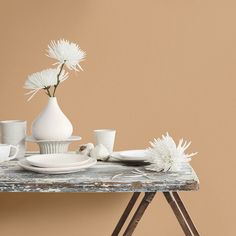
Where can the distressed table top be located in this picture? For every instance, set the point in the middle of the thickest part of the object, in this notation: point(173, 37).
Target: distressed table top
point(103, 177)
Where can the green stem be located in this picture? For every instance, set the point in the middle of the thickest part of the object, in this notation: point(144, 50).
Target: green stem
point(58, 79)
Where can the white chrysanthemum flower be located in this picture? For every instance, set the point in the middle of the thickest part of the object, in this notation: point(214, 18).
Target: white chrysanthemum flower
point(66, 52)
point(43, 80)
point(166, 155)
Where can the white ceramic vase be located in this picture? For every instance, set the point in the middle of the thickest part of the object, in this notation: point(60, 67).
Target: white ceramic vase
point(52, 124)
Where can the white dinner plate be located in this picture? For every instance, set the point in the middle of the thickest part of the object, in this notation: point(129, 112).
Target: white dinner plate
point(62, 170)
point(57, 160)
point(131, 156)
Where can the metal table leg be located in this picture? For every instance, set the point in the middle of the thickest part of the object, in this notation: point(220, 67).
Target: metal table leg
point(125, 214)
point(139, 213)
point(181, 213)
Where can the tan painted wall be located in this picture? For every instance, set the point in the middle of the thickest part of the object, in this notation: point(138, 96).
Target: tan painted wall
point(152, 67)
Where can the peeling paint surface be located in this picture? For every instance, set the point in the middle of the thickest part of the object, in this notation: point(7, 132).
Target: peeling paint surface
point(98, 178)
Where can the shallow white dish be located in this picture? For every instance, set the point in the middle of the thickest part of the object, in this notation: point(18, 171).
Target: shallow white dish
point(131, 156)
point(140, 154)
point(57, 160)
point(60, 170)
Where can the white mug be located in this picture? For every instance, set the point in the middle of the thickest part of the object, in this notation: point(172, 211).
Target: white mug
point(14, 132)
point(105, 137)
point(5, 150)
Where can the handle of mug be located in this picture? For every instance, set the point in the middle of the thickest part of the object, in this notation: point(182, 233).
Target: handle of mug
point(16, 152)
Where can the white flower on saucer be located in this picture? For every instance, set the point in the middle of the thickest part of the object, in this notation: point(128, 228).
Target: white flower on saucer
point(66, 53)
point(44, 80)
point(166, 155)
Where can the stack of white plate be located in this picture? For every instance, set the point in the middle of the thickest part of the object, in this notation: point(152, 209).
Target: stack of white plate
point(57, 163)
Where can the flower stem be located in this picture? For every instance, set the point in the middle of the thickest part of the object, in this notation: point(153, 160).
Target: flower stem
point(48, 91)
point(58, 79)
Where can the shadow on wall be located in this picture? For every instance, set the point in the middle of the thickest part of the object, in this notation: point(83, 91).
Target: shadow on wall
point(57, 212)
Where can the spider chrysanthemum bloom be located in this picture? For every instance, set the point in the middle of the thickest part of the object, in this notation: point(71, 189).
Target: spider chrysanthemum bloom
point(44, 80)
point(66, 53)
point(167, 155)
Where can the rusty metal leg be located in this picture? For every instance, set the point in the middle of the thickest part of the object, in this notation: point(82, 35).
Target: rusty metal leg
point(185, 213)
point(139, 213)
point(125, 214)
point(181, 214)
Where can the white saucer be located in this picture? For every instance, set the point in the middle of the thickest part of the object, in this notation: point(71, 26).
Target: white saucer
point(70, 139)
point(131, 156)
point(62, 170)
point(57, 160)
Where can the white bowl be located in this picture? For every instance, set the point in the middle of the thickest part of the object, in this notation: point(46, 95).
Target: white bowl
point(53, 146)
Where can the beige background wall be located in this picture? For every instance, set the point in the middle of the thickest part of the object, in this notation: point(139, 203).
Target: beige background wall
point(152, 67)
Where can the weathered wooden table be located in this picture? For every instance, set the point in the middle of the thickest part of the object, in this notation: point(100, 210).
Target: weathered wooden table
point(111, 177)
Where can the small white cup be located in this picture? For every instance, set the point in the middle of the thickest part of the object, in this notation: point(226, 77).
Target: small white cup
point(14, 132)
point(5, 150)
point(105, 137)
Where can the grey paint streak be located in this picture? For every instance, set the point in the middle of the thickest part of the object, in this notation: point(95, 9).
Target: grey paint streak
point(96, 179)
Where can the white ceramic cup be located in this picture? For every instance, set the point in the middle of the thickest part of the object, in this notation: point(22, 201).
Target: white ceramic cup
point(5, 150)
point(14, 132)
point(105, 137)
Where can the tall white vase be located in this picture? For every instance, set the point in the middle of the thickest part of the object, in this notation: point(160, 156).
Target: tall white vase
point(52, 124)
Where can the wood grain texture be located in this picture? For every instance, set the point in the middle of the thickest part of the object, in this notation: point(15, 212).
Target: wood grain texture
point(98, 178)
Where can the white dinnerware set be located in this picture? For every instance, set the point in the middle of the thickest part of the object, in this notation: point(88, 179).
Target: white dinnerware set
point(54, 157)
